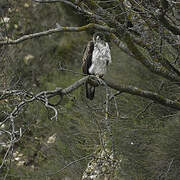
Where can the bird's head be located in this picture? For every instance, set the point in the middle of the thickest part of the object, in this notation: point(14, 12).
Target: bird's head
point(98, 37)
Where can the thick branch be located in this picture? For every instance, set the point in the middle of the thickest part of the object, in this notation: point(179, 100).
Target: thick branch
point(65, 91)
point(122, 88)
point(146, 94)
point(56, 30)
point(121, 45)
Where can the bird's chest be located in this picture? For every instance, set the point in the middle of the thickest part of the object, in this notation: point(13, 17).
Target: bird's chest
point(99, 59)
point(100, 52)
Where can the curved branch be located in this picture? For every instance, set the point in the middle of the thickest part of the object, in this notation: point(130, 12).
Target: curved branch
point(122, 88)
point(46, 95)
point(56, 30)
point(144, 93)
point(67, 90)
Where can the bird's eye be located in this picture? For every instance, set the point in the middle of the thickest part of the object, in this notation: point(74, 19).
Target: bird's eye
point(97, 37)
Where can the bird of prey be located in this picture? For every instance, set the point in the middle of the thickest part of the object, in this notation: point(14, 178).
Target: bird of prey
point(96, 58)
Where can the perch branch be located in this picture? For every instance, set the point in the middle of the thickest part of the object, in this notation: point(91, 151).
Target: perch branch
point(121, 87)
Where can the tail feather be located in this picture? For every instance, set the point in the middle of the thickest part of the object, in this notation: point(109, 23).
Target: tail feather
point(90, 90)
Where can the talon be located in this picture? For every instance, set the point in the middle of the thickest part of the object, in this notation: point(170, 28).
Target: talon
point(100, 81)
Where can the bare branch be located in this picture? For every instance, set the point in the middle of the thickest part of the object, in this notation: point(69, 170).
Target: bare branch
point(121, 45)
point(146, 94)
point(42, 96)
point(56, 30)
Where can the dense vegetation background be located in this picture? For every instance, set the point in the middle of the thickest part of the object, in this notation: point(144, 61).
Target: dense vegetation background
point(145, 135)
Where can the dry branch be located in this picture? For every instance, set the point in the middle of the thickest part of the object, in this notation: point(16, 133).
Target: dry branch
point(144, 93)
point(130, 90)
point(120, 87)
point(57, 30)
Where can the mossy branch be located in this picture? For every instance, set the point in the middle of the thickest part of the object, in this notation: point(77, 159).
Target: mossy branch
point(130, 90)
point(120, 87)
point(57, 30)
point(145, 94)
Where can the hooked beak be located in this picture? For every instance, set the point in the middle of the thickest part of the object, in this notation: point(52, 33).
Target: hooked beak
point(97, 38)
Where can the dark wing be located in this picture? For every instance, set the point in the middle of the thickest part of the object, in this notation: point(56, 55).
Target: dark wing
point(86, 64)
point(87, 57)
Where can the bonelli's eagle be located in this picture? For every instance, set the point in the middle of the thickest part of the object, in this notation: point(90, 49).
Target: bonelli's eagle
point(96, 58)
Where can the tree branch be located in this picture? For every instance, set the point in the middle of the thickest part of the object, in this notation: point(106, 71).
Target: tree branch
point(122, 88)
point(146, 94)
point(121, 45)
point(56, 30)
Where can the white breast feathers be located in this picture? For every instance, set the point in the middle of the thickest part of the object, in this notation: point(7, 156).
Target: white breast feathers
point(101, 57)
